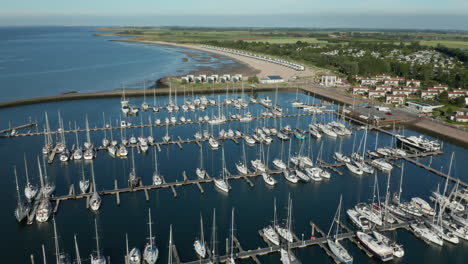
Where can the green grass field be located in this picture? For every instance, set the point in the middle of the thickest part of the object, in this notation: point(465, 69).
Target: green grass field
point(447, 43)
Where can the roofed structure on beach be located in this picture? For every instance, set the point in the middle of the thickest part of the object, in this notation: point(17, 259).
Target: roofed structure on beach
point(272, 79)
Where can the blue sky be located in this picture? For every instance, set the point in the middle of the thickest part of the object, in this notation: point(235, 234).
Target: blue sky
point(409, 13)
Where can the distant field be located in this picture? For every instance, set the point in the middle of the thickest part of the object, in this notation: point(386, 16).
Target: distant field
point(447, 43)
point(286, 40)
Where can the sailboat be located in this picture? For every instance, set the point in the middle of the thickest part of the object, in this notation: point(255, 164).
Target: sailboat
point(30, 190)
point(406, 207)
point(230, 259)
point(279, 163)
point(150, 253)
point(61, 257)
point(157, 179)
point(95, 200)
point(199, 244)
point(214, 256)
point(84, 183)
point(133, 256)
point(77, 152)
point(105, 141)
point(49, 187)
point(241, 165)
point(124, 103)
point(398, 250)
point(144, 105)
point(339, 156)
point(222, 183)
point(133, 180)
point(270, 232)
point(89, 151)
point(337, 249)
point(285, 232)
point(200, 171)
point(22, 209)
point(44, 208)
point(379, 249)
point(96, 257)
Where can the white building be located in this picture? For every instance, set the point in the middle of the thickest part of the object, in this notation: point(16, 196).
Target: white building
point(272, 79)
point(330, 80)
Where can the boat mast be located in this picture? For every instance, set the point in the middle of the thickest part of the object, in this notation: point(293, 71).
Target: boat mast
point(92, 176)
point(448, 175)
point(20, 204)
point(26, 170)
point(274, 213)
point(201, 228)
point(213, 237)
point(365, 142)
point(57, 250)
point(87, 130)
point(40, 175)
point(133, 162)
point(201, 156)
point(338, 219)
point(43, 254)
point(127, 257)
point(82, 171)
point(156, 161)
point(150, 228)
point(97, 241)
point(232, 234)
point(169, 259)
point(401, 181)
point(104, 125)
point(387, 196)
point(78, 258)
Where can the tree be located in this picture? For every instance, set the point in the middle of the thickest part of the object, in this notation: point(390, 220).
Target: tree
point(252, 79)
point(459, 101)
point(443, 97)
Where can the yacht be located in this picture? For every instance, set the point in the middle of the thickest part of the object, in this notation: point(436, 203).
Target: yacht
point(382, 165)
point(279, 164)
point(418, 143)
point(290, 177)
point(270, 232)
point(221, 183)
point(282, 136)
point(287, 257)
point(44, 210)
point(96, 257)
point(285, 232)
point(378, 248)
point(30, 190)
point(268, 179)
point(398, 250)
point(341, 157)
point(302, 176)
point(150, 253)
point(427, 234)
point(95, 199)
point(133, 180)
point(359, 220)
point(444, 233)
point(241, 168)
point(22, 209)
point(258, 165)
point(213, 143)
point(134, 257)
point(354, 169)
point(424, 206)
point(123, 152)
point(84, 183)
point(457, 229)
point(370, 214)
point(199, 244)
point(314, 173)
point(336, 248)
point(249, 140)
point(363, 166)
point(200, 171)
point(157, 179)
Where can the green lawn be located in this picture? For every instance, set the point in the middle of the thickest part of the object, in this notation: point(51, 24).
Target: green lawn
point(286, 40)
point(447, 43)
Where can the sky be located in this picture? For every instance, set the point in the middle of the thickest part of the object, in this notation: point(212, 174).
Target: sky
point(422, 14)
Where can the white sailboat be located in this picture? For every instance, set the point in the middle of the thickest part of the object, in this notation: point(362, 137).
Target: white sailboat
point(49, 187)
point(427, 234)
point(222, 183)
point(84, 183)
point(30, 190)
point(268, 179)
point(44, 208)
point(157, 179)
point(96, 257)
point(77, 152)
point(22, 209)
point(77, 251)
point(336, 248)
point(89, 151)
point(151, 252)
point(270, 232)
point(200, 171)
point(133, 180)
point(398, 250)
point(134, 255)
point(286, 232)
point(241, 165)
point(95, 199)
point(199, 244)
point(379, 249)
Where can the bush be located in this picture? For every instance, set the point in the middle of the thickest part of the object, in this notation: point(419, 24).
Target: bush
point(253, 79)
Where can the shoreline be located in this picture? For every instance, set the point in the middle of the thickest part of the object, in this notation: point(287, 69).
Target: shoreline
point(262, 67)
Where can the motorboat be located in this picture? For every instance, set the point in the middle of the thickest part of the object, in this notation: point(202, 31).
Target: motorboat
point(427, 234)
point(268, 179)
point(359, 220)
point(378, 248)
point(398, 250)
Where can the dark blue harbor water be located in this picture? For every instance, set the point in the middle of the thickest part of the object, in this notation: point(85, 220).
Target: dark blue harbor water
point(42, 61)
point(254, 206)
point(29, 66)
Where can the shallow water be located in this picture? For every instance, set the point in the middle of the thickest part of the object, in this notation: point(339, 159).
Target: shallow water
point(42, 61)
point(315, 202)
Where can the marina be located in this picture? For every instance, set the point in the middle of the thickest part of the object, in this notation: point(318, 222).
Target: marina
point(167, 171)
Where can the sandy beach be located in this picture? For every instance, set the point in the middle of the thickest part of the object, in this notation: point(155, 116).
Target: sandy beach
point(260, 68)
